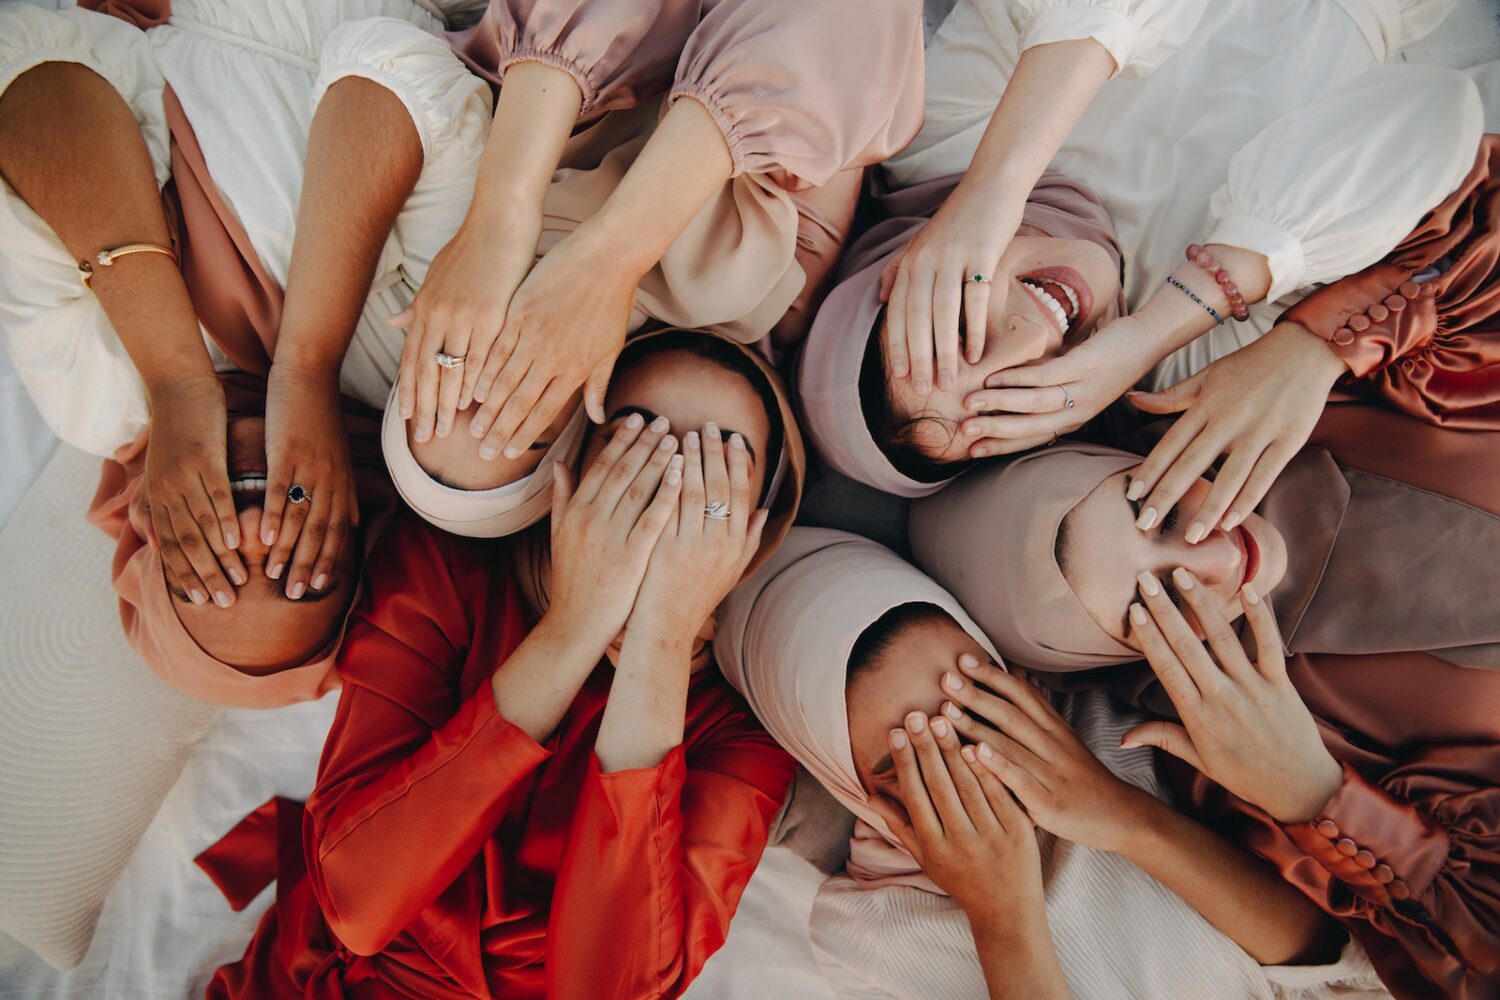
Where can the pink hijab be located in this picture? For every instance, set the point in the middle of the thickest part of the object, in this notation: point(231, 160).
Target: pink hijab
point(784, 640)
point(828, 374)
point(991, 539)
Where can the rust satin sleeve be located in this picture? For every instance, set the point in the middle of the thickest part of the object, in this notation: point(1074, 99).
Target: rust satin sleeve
point(656, 861)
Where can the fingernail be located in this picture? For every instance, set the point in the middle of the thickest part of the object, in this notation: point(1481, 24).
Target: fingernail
point(1148, 583)
point(297, 590)
point(1251, 597)
point(476, 429)
point(1135, 490)
point(691, 440)
point(940, 726)
point(711, 431)
point(660, 425)
point(967, 752)
point(667, 443)
point(674, 470)
point(232, 539)
point(1129, 745)
point(236, 577)
point(952, 711)
point(1137, 614)
point(981, 453)
point(898, 739)
point(951, 681)
point(1147, 518)
point(320, 581)
point(916, 722)
point(736, 441)
point(971, 429)
point(512, 451)
point(1195, 532)
point(197, 596)
point(221, 598)
point(442, 428)
point(985, 751)
point(634, 421)
point(1183, 577)
point(1232, 520)
point(275, 571)
point(268, 536)
point(487, 451)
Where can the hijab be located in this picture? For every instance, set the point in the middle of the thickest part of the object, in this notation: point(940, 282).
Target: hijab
point(784, 640)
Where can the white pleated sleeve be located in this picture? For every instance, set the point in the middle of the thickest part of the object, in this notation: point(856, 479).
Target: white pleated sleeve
point(1139, 34)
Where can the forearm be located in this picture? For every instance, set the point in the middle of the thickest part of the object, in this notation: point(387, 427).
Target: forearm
point(535, 686)
point(1172, 319)
point(534, 116)
point(1017, 956)
point(71, 149)
point(1242, 896)
point(645, 715)
point(363, 159)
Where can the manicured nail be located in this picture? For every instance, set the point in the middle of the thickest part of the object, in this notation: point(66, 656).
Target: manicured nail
point(660, 425)
point(1130, 745)
point(1148, 583)
point(967, 752)
point(985, 751)
point(1137, 614)
point(512, 451)
point(1147, 519)
point(691, 440)
point(1183, 577)
point(952, 711)
point(898, 739)
point(221, 598)
point(275, 571)
point(667, 443)
point(1251, 597)
point(674, 470)
point(1195, 532)
point(232, 539)
point(634, 421)
point(1232, 520)
point(320, 581)
point(711, 431)
point(968, 661)
point(487, 452)
point(236, 577)
point(951, 681)
point(916, 722)
point(940, 727)
point(197, 596)
point(268, 536)
point(1135, 490)
point(737, 441)
point(476, 429)
point(297, 590)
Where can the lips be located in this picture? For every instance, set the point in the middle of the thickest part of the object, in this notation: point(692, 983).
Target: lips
point(1249, 551)
point(1068, 281)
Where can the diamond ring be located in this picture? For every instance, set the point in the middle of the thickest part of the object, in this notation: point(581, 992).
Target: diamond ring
point(718, 510)
point(297, 493)
point(449, 360)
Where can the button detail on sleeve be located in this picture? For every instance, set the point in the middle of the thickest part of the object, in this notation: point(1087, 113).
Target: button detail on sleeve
point(1410, 289)
point(1395, 303)
point(1359, 324)
point(1343, 336)
point(1378, 312)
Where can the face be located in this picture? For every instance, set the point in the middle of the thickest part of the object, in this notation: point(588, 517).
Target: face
point(689, 391)
point(1053, 289)
point(905, 677)
point(1105, 552)
point(455, 461)
point(264, 630)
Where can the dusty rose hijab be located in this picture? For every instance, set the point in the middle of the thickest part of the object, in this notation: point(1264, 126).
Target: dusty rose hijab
point(784, 640)
point(828, 374)
point(991, 539)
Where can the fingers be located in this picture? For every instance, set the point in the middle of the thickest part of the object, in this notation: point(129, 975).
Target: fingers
point(1168, 736)
point(1053, 371)
point(406, 375)
point(333, 543)
point(594, 476)
point(918, 325)
point(451, 380)
point(1226, 486)
point(201, 559)
point(547, 408)
point(1185, 470)
point(596, 386)
point(427, 372)
point(998, 711)
point(562, 487)
point(1186, 645)
point(990, 447)
point(753, 534)
point(1011, 817)
point(1017, 774)
point(935, 776)
point(1267, 469)
point(663, 507)
point(946, 299)
point(1270, 660)
point(173, 558)
point(1173, 399)
point(316, 542)
point(502, 434)
point(620, 479)
point(221, 526)
point(894, 817)
point(1044, 399)
point(294, 516)
point(740, 504)
point(1013, 687)
point(1014, 427)
point(976, 809)
point(494, 364)
point(1215, 627)
point(690, 523)
point(976, 318)
point(648, 481)
point(888, 275)
point(914, 795)
point(1165, 663)
point(897, 353)
point(715, 468)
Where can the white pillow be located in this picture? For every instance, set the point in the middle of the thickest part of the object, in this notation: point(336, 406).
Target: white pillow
point(90, 740)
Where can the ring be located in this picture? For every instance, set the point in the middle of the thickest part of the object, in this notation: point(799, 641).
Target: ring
point(1052, 442)
point(718, 510)
point(297, 493)
point(977, 279)
point(445, 360)
point(1067, 396)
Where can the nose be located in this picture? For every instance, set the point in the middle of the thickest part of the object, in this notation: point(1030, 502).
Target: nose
point(1214, 560)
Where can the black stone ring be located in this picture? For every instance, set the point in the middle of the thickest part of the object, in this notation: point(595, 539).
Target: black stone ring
point(297, 493)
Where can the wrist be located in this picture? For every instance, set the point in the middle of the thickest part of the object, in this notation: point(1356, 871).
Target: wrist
point(560, 627)
point(310, 367)
point(1311, 800)
point(1314, 353)
point(188, 386)
point(1137, 825)
point(661, 637)
point(1016, 923)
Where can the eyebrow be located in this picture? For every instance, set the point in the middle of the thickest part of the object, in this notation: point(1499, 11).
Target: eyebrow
point(648, 416)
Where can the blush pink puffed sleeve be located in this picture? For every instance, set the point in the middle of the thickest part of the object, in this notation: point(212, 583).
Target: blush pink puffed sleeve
point(619, 52)
point(805, 88)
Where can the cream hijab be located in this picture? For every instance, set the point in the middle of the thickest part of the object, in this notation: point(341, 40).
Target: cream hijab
point(783, 641)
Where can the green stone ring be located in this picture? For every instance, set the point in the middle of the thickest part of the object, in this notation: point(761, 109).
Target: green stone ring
point(977, 279)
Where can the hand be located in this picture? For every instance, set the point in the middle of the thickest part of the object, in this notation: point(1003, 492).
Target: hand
point(1031, 748)
point(1244, 725)
point(1024, 406)
point(460, 310)
point(927, 281)
point(603, 530)
point(699, 559)
point(961, 825)
point(565, 326)
point(187, 489)
point(1258, 405)
point(307, 445)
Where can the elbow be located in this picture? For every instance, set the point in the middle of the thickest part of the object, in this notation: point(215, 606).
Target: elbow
point(362, 937)
point(360, 919)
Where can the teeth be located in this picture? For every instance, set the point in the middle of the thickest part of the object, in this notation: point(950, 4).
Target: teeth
point(248, 484)
point(1072, 298)
point(1049, 303)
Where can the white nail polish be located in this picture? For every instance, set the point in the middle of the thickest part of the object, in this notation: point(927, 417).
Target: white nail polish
point(1148, 583)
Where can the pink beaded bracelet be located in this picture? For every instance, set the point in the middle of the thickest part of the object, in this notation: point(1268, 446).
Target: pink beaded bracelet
point(1237, 308)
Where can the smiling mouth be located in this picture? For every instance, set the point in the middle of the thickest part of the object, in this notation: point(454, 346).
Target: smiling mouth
point(1061, 292)
point(1250, 551)
point(248, 489)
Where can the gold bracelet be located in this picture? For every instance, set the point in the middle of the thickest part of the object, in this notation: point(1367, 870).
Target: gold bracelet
point(107, 258)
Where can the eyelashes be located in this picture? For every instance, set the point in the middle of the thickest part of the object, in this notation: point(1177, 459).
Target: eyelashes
point(1170, 521)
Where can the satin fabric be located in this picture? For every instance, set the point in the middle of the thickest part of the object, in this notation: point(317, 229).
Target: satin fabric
point(445, 854)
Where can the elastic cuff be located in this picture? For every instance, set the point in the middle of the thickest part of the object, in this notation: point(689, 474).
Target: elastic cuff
point(640, 786)
point(28, 61)
point(1280, 246)
point(568, 66)
point(403, 93)
point(1110, 28)
point(726, 123)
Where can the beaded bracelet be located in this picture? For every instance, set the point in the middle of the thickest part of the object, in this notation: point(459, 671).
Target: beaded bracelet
point(1199, 255)
point(1185, 290)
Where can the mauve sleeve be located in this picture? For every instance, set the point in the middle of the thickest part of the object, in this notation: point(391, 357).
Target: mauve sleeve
point(802, 89)
point(619, 52)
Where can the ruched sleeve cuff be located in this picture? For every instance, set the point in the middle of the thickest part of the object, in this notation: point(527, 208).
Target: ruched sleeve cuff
point(789, 83)
point(1383, 848)
point(1139, 35)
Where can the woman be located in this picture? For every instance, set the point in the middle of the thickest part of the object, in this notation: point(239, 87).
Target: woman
point(1363, 765)
point(835, 642)
point(570, 808)
point(360, 108)
point(723, 210)
point(1249, 100)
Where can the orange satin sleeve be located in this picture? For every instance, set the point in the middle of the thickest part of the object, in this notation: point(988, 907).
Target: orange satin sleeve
point(655, 864)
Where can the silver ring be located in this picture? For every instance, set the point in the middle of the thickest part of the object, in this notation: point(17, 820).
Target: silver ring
point(446, 360)
point(718, 510)
point(1067, 397)
point(297, 493)
point(977, 279)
